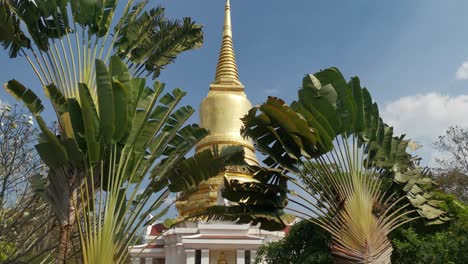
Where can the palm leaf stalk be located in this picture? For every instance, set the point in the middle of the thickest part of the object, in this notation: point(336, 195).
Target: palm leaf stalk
point(352, 206)
point(349, 173)
point(112, 221)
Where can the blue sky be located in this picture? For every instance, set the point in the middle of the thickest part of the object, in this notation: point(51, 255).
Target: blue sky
point(407, 53)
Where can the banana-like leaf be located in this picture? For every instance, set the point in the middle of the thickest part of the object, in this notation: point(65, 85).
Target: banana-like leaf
point(185, 35)
point(44, 19)
point(259, 201)
point(144, 106)
point(320, 101)
point(267, 219)
point(121, 111)
point(91, 123)
point(51, 149)
point(39, 186)
point(11, 35)
point(60, 104)
point(138, 86)
point(105, 102)
point(163, 117)
point(336, 126)
point(30, 99)
point(119, 72)
point(55, 96)
point(151, 41)
point(177, 142)
point(123, 97)
point(328, 107)
point(189, 173)
point(96, 15)
point(271, 140)
point(259, 194)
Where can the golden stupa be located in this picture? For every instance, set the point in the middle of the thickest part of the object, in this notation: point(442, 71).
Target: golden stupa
point(220, 113)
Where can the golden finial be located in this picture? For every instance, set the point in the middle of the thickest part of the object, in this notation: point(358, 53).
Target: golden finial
point(226, 71)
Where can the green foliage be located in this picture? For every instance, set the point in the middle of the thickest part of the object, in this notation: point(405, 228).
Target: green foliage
point(452, 205)
point(142, 28)
point(440, 247)
point(101, 111)
point(256, 202)
point(8, 249)
point(105, 152)
point(26, 225)
point(110, 223)
point(11, 36)
point(419, 244)
point(89, 129)
point(333, 146)
point(413, 243)
point(305, 243)
point(70, 35)
point(329, 108)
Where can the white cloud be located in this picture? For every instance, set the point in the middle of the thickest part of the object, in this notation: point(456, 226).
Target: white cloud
point(424, 117)
point(462, 71)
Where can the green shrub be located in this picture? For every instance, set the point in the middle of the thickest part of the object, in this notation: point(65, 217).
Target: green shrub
point(448, 243)
point(305, 243)
point(413, 243)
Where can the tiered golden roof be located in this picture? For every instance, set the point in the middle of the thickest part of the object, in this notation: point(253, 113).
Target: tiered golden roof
point(226, 71)
point(220, 113)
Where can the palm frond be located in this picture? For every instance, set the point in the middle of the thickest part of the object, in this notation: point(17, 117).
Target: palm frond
point(62, 39)
point(11, 35)
point(340, 153)
point(150, 41)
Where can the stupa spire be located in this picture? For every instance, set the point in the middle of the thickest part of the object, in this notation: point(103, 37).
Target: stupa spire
point(220, 113)
point(226, 70)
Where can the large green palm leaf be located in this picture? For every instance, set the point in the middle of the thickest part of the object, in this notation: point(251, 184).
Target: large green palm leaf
point(11, 36)
point(62, 39)
point(339, 153)
point(296, 129)
point(115, 218)
point(145, 131)
point(68, 44)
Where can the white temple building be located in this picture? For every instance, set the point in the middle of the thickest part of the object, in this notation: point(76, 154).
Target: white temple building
point(212, 242)
point(203, 243)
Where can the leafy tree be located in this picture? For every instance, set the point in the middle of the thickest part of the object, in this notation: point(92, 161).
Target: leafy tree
point(447, 243)
point(334, 133)
point(18, 160)
point(452, 175)
point(443, 246)
point(62, 39)
point(304, 243)
point(26, 225)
